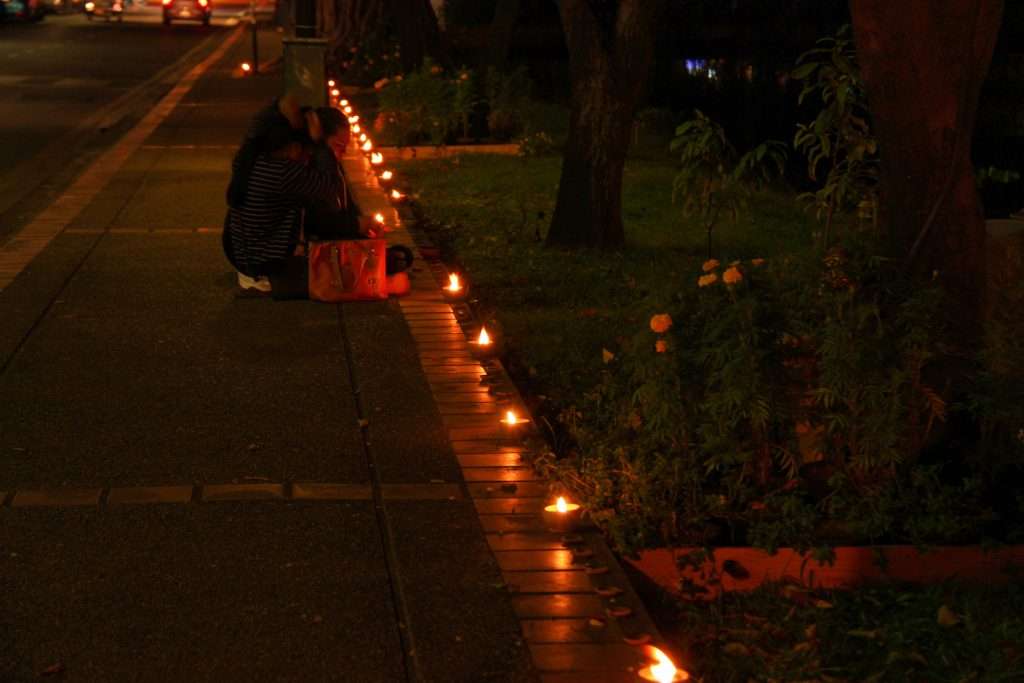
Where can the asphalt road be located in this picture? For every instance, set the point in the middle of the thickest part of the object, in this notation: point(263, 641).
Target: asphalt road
point(70, 87)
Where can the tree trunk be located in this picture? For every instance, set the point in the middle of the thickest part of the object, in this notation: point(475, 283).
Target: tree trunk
point(611, 45)
point(417, 30)
point(506, 13)
point(923, 63)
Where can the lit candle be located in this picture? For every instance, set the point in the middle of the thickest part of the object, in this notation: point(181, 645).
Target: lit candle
point(379, 217)
point(386, 176)
point(367, 146)
point(483, 346)
point(455, 290)
point(376, 158)
point(562, 516)
point(353, 119)
point(511, 419)
point(246, 67)
point(335, 92)
point(346, 109)
point(356, 128)
point(397, 196)
point(344, 103)
point(362, 137)
point(663, 670)
point(330, 83)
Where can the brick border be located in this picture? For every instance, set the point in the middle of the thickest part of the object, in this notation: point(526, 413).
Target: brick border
point(581, 619)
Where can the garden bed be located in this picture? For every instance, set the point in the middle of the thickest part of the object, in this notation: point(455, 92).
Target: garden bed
point(696, 574)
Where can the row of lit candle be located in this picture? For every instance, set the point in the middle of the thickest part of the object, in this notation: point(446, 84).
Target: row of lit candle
point(560, 516)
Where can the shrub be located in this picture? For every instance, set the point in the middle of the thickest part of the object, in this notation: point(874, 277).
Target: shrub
point(786, 404)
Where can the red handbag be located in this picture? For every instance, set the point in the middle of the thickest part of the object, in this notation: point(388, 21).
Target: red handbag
point(348, 270)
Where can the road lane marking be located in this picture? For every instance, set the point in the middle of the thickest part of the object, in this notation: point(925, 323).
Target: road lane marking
point(24, 246)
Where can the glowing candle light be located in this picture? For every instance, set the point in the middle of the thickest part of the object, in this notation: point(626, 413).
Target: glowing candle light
point(663, 670)
point(396, 195)
point(347, 109)
point(376, 158)
point(511, 418)
point(379, 217)
point(453, 283)
point(562, 515)
point(330, 83)
point(344, 103)
point(335, 92)
point(356, 128)
point(246, 67)
point(362, 137)
point(353, 119)
point(367, 146)
point(386, 176)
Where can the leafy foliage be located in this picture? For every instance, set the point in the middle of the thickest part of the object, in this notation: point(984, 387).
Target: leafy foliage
point(712, 178)
point(793, 395)
point(839, 139)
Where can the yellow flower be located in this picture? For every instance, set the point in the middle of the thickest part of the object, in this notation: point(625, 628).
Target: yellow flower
point(732, 276)
point(757, 261)
point(705, 280)
point(710, 265)
point(661, 323)
point(661, 346)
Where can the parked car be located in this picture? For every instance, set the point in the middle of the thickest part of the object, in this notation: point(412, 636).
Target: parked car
point(190, 10)
point(111, 9)
point(26, 10)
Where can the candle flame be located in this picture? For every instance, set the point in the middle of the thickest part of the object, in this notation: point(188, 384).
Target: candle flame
point(379, 217)
point(367, 146)
point(561, 505)
point(347, 109)
point(246, 67)
point(330, 83)
point(344, 103)
point(335, 92)
point(386, 175)
point(362, 137)
point(510, 417)
point(356, 128)
point(484, 338)
point(395, 194)
point(453, 282)
point(664, 671)
point(376, 158)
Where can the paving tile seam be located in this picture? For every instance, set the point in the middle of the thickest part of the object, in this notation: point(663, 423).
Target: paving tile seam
point(186, 494)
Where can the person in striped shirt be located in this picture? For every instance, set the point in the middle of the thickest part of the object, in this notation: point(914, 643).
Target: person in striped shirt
point(263, 231)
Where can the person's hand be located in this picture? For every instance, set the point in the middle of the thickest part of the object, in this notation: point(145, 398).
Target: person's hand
point(316, 131)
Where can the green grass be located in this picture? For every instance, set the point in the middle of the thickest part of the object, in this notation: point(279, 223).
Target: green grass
point(888, 633)
point(559, 309)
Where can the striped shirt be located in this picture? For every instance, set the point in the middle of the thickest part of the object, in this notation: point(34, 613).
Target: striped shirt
point(264, 230)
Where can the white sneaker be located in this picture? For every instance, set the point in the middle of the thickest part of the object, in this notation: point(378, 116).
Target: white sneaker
point(260, 284)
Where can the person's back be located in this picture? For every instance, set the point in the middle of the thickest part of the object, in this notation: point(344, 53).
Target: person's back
point(263, 231)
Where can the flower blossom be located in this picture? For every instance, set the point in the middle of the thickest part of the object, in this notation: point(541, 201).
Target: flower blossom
point(661, 323)
point(710, 265)
point(732, 276)
point(709, 279)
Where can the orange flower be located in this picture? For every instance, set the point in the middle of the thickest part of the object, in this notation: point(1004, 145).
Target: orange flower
point(661, 346)
point(710, 265)
point(732, 276)
point(661, 323)
point(709, 279)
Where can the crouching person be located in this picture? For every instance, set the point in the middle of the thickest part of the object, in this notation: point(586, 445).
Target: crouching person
point(262, 233)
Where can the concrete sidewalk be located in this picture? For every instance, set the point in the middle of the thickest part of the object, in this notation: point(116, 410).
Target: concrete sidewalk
point(196, 486)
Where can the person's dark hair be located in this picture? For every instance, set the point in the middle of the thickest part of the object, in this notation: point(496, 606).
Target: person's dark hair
point(331, 120)
point(279, 137)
